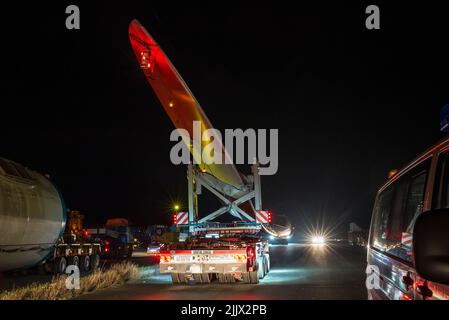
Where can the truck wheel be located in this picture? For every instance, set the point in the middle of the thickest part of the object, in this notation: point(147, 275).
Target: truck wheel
point(230, 278)
point(268, 263)
point(266, 268)
point(198, 278)
point(48, 267)
point(74, 261)
point(245, 277)
point(94, 261)
point(221, 278)
point(59, 265)
point(175, 278)
point(205, 277)
point(85, 263)
point(182, 278)
point(261, 269)
point(253, 277)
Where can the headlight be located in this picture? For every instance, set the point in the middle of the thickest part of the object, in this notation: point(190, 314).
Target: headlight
point(318, 240)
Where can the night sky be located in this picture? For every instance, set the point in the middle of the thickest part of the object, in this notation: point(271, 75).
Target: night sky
point(350, 104)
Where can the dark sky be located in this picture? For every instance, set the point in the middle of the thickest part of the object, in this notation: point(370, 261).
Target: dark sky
point(350, 104)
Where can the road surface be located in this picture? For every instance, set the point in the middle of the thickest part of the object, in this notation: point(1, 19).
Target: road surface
point(298, 271)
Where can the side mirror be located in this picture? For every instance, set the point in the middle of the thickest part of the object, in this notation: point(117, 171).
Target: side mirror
point(431, 245)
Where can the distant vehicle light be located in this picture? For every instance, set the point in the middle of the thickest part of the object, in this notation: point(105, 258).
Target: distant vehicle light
point(392, 173)
point(153, 249)
point(171, 104)
point(318, 240)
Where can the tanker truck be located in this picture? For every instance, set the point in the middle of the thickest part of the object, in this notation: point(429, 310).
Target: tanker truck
point(207, 250)
point(33, 224)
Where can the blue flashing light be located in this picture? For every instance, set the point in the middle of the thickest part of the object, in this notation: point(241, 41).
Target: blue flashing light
point(444, 118)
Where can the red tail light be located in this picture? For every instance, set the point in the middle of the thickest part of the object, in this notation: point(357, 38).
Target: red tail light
point(406, 297)
point(165, 258)
point(251, 257)
point(175, 218)
point(269, 216)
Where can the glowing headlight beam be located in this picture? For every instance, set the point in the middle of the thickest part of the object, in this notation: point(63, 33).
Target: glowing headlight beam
point(318, 239)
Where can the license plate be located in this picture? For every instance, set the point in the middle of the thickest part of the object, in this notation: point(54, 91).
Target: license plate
point(183, 258)
point(221, 257)
point(202, 251)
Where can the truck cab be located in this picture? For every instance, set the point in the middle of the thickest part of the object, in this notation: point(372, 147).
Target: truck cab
point(398, 256)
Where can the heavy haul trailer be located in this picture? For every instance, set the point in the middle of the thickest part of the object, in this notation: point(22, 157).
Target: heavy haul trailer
point(33, 226)
point(236, 252)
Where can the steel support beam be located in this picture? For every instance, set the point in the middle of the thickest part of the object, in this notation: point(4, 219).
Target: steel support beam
point(196, 181)
point(257, 187)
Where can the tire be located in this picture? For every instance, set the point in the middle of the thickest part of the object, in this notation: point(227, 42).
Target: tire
point(94, 261)
point(74, 261)
point(246, 278)
point(182, 278)
point(253, 277)
point(175, 278)
point(230, 278)
point(261, 269)
point(59, 265)
point(48, 267)
point(221, 278)
point(197, 277)
point(85, 263)
point(205, 278)
point(268, 263)
point(266, 269)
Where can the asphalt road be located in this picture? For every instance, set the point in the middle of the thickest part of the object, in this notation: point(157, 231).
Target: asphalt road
point(298, 272)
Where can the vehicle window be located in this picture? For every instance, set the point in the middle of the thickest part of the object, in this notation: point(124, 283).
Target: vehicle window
point(382, 212)
point(412, 200)
point(403, 202)
point(441, 188)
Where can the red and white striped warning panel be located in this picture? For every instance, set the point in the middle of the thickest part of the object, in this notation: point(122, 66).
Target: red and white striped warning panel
point(407, 239)
point(181, 218)
point(263, 216)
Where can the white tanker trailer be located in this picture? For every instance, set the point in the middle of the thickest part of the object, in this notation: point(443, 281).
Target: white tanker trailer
point(32, 224)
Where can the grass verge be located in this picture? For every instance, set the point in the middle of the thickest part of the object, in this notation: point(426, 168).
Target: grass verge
point(116, 275)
